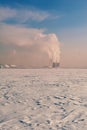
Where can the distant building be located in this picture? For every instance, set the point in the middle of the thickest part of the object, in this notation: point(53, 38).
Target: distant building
point(6, 66)
point(1, 66)
point(13, 66)
point(55, 65)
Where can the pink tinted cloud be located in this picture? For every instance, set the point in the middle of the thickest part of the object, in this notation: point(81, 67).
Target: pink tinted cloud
point(36, 39)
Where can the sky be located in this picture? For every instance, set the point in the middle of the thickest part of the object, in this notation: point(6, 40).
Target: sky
point(38, 32)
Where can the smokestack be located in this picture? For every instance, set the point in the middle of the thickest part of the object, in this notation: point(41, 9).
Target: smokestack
point(55, 64)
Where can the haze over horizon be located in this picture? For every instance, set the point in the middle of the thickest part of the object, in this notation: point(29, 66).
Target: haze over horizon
point(36, 33)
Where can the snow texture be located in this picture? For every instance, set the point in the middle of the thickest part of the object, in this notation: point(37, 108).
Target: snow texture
point(43, 99)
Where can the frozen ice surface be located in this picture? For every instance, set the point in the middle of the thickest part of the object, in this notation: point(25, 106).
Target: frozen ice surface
point(43, 99)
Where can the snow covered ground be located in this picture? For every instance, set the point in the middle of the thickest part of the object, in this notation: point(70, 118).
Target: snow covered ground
point(43, 99)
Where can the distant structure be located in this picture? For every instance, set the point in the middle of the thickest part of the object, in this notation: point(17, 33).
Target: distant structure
point(6, 66)
point(1, 66)
point(13, 66)
point(55, 65)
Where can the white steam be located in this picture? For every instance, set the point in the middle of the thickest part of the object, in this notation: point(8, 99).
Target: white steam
point(22, 37)
point(50, 45)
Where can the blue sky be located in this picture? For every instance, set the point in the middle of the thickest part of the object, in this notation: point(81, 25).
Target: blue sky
point(65, 18)
point(70, 13)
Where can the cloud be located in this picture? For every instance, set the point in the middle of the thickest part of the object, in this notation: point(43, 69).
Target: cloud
point(35, 41)
point(22, 15)
point(18, 35)
point(6, 13)
point(18, 42)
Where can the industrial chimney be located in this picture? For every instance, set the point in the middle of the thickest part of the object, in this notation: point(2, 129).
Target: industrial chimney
point(55, 65)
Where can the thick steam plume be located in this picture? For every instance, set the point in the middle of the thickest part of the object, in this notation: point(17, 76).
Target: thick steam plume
point(22, 37)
